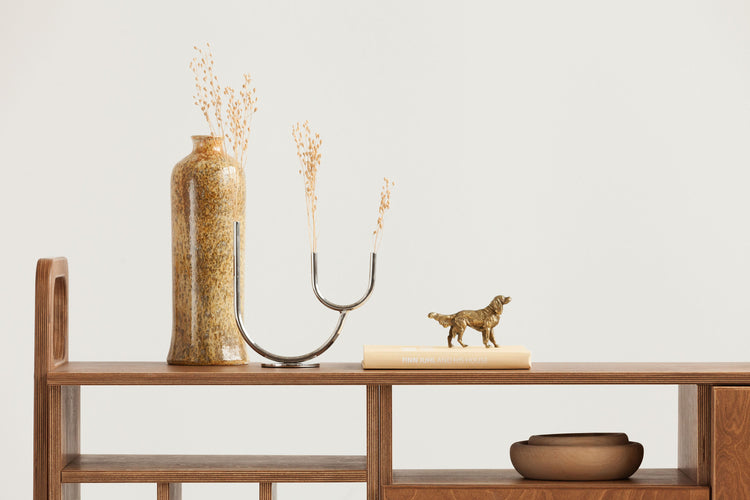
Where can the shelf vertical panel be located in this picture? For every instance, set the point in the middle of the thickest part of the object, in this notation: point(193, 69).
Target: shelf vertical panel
point(56, 408)
point(65, 439)
point(169, 491)
point(386, 438)
point(730, 465)
point(694, 432)
point(267, 491)
point(373, 441)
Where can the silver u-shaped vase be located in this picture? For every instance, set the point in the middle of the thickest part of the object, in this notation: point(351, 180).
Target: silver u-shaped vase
point(343, 310)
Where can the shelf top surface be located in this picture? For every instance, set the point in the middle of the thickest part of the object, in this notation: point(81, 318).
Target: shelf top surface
point(509, 478)
point(160, 373)
point(214, 468)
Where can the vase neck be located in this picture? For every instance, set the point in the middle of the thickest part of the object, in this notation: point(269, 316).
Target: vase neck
point(208, 144)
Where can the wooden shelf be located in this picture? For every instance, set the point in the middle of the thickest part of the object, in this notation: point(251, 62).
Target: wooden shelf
point(648, 484)
point(509, 478)
point(159, 373)
point(215, 468)
point(713, 425)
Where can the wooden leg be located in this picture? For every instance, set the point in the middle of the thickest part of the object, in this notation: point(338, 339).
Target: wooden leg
point(169, 491)
point(386, 439)
point(379, 440)
point(694, 432)
point(730, 449)
point(373, 441)
point(41, 438)
point(267, 491)
point(64, 442)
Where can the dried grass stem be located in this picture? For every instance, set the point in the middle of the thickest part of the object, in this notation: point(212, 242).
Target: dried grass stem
point(385, 204)
point(236, 113)
point(308, 152)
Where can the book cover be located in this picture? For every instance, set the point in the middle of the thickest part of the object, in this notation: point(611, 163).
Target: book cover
point(444, 357)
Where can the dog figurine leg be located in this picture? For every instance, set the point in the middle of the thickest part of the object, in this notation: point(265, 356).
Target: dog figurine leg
point(486, 337)
point(457, 332)
point(492, 337)
point(460, 326)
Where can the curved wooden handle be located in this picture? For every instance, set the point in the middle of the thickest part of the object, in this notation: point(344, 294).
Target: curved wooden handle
point(51, 314)
point(56, 408)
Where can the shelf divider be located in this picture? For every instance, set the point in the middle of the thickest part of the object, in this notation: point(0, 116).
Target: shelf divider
point(373, 442)
point(385, 452)
point(168, 491)
point(694, 432)
point(267, 491)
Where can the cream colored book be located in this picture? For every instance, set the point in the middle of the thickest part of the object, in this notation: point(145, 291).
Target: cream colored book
point(437, 357)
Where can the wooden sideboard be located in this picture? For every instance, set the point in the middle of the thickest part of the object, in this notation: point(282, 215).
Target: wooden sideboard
point(713, 426)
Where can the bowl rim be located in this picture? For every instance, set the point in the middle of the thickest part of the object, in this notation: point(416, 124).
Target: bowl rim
point(583, 434)
point(541, 439)
point(576, 446)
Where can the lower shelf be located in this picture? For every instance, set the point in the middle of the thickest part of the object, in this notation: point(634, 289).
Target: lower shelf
point(215, 468)
point(647, 484)
point(458, 484)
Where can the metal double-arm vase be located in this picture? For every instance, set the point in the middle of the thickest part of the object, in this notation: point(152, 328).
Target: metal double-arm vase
point(296, 361)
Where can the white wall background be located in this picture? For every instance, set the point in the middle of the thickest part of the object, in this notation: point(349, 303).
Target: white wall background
point(587, 158)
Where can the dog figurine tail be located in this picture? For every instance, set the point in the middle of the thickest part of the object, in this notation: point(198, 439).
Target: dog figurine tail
point(445, 320)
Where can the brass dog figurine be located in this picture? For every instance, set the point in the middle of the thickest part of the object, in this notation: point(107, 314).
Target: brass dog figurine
point(483, 320)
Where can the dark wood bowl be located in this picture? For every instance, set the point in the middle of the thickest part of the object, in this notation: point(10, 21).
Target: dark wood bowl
point(576, 463)
point(580, 439)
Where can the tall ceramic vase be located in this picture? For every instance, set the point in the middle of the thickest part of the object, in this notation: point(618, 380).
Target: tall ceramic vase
point(208, 195)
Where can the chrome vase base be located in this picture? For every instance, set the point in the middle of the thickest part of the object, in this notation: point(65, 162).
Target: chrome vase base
point(290, 365)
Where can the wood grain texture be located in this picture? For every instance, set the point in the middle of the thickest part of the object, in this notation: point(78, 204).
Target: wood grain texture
point(156, 373)
point(648, 484)
point(385, 453)
point(694, 432)
point(215, 468)
point(542, 493)
point(56, 409)
point(644, 478)
point(64, 442)
point(169, 491)
point(373, 441)
point(730, 463)
point(50, 318)
point(267, 491)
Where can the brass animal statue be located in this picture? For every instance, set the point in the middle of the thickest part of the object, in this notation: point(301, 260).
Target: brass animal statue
point(482, 320)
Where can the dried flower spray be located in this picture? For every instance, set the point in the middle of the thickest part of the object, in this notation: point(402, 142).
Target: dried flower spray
point(385, 204)
point(237, 112)
point(308, 152)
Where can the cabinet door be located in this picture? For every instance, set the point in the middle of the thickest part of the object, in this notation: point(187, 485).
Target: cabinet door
point(730, 464)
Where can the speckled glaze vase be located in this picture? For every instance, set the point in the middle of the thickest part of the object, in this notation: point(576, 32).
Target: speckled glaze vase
point(208, 195)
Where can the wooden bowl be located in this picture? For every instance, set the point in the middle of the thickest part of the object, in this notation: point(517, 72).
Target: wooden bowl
point(576, 463)
point(586, 439)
